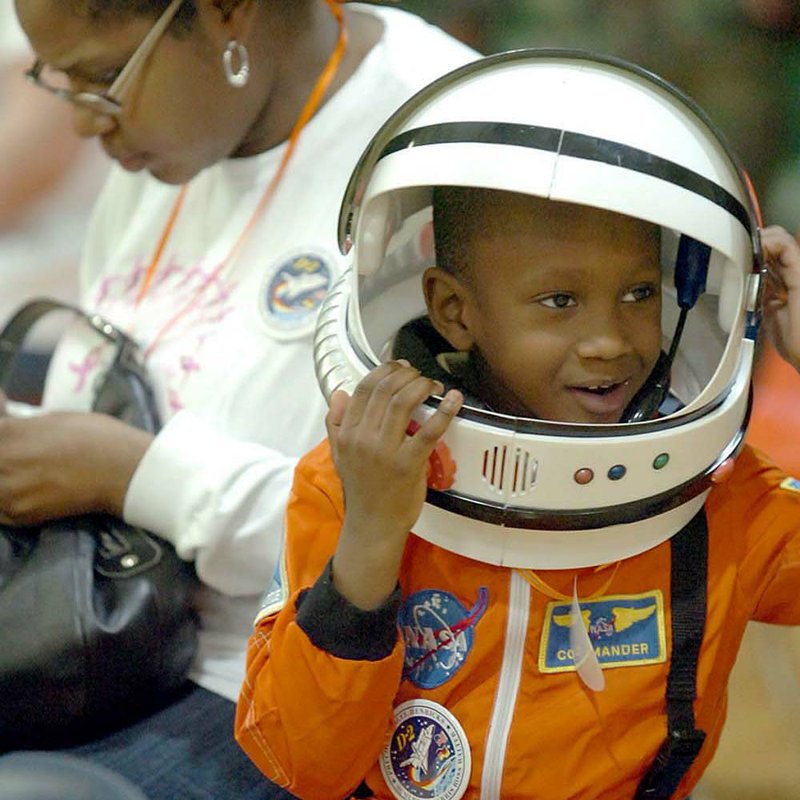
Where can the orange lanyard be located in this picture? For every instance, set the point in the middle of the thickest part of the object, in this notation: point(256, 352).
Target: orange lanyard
point(310, 107)
point(534, 580)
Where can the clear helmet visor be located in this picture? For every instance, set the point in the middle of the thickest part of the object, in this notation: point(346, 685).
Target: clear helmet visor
point(704, 305)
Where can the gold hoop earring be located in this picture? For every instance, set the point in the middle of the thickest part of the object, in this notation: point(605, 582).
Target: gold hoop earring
point(241, 75)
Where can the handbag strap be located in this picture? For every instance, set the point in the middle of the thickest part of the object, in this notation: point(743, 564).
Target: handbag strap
point(16, 329)
point(127, 362)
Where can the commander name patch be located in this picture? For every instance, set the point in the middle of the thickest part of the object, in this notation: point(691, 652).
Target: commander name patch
point(625, 631)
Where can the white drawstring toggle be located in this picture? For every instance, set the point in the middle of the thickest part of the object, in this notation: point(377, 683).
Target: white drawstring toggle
point(586, 663)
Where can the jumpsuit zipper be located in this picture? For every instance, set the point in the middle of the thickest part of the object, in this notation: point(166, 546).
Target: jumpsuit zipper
point(519, 598)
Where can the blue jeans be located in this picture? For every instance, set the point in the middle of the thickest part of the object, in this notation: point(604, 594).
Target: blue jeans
point(186, 751)
point(57, 776)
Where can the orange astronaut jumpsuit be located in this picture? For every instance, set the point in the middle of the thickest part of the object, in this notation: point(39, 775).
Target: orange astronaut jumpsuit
point(325, 679)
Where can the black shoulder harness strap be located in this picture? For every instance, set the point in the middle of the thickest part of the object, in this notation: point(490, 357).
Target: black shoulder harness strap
point(688, 588)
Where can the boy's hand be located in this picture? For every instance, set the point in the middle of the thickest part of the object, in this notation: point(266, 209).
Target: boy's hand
point(382, 470)
point(781, 304)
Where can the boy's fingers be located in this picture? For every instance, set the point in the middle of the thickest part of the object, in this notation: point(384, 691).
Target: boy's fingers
point(394, 398)
point(429, 433)
point(403, 402)
point(336, 409)
point(362, 394)
point(782, 256)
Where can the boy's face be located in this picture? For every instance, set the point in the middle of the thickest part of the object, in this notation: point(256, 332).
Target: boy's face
point(563, 303)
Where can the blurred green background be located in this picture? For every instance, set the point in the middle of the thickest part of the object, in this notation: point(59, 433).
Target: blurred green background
point(739, 59)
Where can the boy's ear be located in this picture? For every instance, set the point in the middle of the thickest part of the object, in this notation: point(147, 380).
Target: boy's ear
point(446, 297)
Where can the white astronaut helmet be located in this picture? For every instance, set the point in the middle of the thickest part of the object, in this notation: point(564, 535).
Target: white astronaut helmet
point(590, 130)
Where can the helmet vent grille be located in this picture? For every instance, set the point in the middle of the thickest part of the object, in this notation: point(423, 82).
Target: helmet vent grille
point(509, 470)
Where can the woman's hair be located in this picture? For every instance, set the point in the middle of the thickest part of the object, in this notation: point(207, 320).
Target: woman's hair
point(103, 12)
point(108, 12)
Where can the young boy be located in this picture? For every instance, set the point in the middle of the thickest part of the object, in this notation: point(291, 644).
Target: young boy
point(396, 668)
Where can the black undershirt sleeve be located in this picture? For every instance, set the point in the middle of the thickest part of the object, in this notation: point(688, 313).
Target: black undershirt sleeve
point(335, 625)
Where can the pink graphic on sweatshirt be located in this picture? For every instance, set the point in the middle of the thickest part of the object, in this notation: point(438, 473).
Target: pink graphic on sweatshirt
point(206, 299)
point(86, 367)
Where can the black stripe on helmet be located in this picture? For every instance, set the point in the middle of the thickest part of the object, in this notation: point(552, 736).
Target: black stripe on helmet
point(576, 145)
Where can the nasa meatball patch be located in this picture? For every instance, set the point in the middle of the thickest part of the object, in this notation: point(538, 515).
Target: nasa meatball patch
point(438, 631)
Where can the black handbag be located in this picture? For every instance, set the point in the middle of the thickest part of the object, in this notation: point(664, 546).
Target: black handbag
point(97, 625)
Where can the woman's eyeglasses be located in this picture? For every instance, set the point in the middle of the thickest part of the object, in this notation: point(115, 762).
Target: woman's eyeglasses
point(109, 102)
